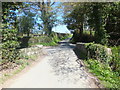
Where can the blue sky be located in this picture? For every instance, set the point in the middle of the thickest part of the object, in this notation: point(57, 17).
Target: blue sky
point(59, 28)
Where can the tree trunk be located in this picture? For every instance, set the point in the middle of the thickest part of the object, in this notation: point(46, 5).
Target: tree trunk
point(81, 29)
point(28, 34)
point(90, 32)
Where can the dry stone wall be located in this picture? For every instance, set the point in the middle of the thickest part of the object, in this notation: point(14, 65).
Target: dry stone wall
point(34, 50)
point(81, 47)
point(82, 50)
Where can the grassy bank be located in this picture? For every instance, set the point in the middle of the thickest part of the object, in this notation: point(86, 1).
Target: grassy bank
point(103, 72)
point(17, 67)
point(107, 72)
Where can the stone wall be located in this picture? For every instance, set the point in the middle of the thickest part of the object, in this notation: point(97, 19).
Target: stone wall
point(34, 50)
point(80, 47)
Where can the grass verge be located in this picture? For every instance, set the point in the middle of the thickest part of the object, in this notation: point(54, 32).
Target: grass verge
point(107, 77)
point(51, 41)
point(106, 67)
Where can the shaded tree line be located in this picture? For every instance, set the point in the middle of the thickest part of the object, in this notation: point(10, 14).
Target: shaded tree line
point(103, 18)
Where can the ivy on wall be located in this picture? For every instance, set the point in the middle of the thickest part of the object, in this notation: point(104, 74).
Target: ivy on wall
point(98, 52)
point(10, 44)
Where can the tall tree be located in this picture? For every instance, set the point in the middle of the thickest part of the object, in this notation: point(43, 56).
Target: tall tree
point(76, 18)
point(47, 16)
point(113, 23)
point(26, 23)
point(101, 17)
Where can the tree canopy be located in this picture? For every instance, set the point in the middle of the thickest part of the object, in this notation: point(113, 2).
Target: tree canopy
point(103, 18)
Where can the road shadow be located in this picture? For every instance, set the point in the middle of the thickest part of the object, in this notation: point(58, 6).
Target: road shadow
point(67, 44)
point(79, 54)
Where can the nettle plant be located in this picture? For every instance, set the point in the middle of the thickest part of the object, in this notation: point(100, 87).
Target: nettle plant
point(10, 44)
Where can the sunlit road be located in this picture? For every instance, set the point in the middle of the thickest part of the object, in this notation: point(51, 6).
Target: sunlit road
point(58, 69)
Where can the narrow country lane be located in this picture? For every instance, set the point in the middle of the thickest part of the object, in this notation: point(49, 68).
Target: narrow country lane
point(58, 69)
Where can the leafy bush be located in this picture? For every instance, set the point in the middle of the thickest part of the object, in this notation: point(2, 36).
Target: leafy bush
point(46, 40)
point(106, 67)
point(115, 62)
point(9, 44)
point(98, 52)
point(24, 41)
point(86, 38)
point(101, 36)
